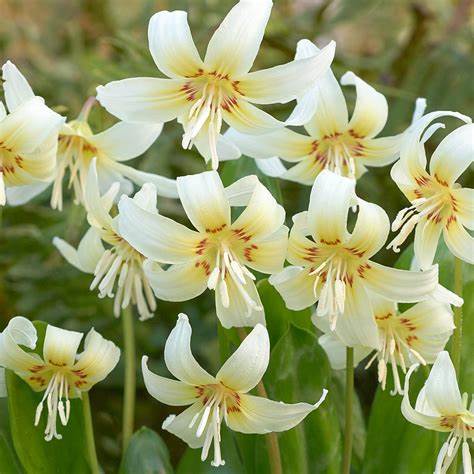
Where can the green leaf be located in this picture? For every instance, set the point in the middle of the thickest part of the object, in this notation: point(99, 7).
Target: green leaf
point(36, 455)
point(146, 454)
point(8, 456)
point(395, 446)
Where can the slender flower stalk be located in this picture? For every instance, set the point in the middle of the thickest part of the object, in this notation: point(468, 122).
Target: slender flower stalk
point(271, 439)
point(89, 432)
point(349, 394)
point(456, 348)
point(129, 390)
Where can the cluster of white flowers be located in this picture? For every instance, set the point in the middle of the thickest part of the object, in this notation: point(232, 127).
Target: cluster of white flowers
point(137, 255)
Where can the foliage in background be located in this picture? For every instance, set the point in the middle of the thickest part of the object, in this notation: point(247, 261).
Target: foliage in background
point(66, 48)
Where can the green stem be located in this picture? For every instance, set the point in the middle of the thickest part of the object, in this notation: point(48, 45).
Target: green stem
point(130, 377)
point(457, 336)
point(271, 439)
point(456, 347)
point(89, 431)
point(346, 466)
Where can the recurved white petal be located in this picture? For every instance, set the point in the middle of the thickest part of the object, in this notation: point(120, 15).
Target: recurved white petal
point(204, 201)
point(98, 359)
point(179, 358)
point(19, 195)
point(159, 238)
point(356, 326)
point(261, 218)
point(235, 44)
point(371, 108)
point(285, 143)
point(172, 46)
point(404, 286)
point(244, 369)
point(441, 387)
point(180, 282)
point(171, 392)
point(266, 255)
point(124, 140)
point(380, 151)
point(29, 126)
point(246, 118)
point(16, 87)
point(88, 253)
point(286, 82)
point(239, 192)
point(144, 99)
point(226, 150)
point(179, 425)
point(430, 422)
point(241, 310)
point(465, 205)
point(260, 415)
point(427, 234)
point(19, 331)
point(272, 167)
point(331, 197)
point(60, 346)
point(459, 241)
point(371, 230)
point(454, 154)
point(295, 286)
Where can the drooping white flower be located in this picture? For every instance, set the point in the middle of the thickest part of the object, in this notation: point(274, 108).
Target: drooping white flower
point(416, 335)
point(215, 255)
point(333, 141)
point(117, 269)
point(204, 94)
point(440, 407)
point(61, 373)
point(438, 203)
point(28, 137)
point(333, 267)
point(78, 145)
point(223, 398)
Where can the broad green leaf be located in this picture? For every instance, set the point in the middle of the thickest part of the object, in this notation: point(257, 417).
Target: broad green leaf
point(8, 456)
point(36, 455)
point(395, 446)
point(146, 454)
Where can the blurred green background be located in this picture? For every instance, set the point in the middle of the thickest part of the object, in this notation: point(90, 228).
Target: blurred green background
point(66, 48)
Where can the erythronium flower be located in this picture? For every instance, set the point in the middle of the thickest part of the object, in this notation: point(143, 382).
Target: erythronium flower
point(204, 94)
point(28, 137)
point(215, 255)
point(333, 142)
point(61, 373)
point(418, 334)
point(438, 203)
point(334, 267)
point(223, 397)
point(118, 270)
point(440, 407)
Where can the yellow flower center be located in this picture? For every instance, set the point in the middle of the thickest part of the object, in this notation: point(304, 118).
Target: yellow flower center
point(210, 93)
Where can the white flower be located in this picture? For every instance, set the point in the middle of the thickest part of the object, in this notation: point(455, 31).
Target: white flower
point(215, 255)
point(220, 398)
point(28, 138)
point(204, 94)
point(440, 407)
point(333, 142)
point(438, 203)
point(61, 373)
point(418, 334)
point(119, 267)
point(334, 267)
